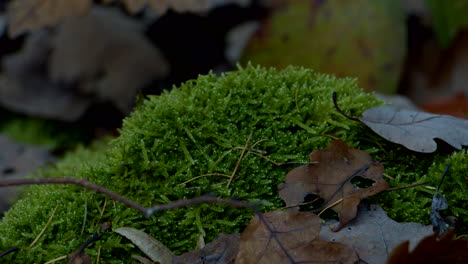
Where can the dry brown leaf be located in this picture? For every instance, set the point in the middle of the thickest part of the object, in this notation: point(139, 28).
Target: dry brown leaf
point(25, 15)
point(25, 88)
point(289, 237)
point(107, 54)
point(134, 6)
point(102, 56)
point(80, 258)
point(416, 130)
point(330, 179)
point(432, 250)
point(222, 250)
point(149, 245)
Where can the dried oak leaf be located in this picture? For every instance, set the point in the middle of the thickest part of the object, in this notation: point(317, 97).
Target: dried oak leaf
point(330, 179)
point(222, 250)
point(289, 237)
point(24, 15)
point(416, 130)
point(432, 250)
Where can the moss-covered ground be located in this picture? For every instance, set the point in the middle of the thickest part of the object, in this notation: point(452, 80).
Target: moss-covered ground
point(199, 129)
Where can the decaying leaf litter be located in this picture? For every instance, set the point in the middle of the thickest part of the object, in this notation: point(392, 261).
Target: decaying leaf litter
point(292, 236)
point(338, 194)
point(355, 199)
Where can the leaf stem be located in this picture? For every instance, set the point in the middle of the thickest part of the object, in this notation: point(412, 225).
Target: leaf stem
point(406, 186)
point(341, 111)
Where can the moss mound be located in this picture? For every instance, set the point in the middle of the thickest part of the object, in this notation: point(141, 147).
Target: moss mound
point(199, 129)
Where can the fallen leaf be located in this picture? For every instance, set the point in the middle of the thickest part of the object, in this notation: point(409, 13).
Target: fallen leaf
point(330, 179)
point(289, 237)
point(81, 258)
point(142, 260)
point(26, 89)
point(416, 130)
point(154, 249)
point(102, 56)
point(16, 161)
point(106, 54)
point(432, 250)
point(456, 105)
point(317, 34)
point(373, 235)
point(222, 250)
point(25, 15)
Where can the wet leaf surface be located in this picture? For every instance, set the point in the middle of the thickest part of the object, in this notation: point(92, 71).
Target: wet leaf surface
point(331, 179)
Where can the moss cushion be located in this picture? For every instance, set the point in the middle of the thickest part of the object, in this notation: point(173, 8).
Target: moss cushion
point(196, 133)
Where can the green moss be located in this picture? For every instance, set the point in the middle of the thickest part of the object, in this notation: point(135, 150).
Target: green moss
point(413, 205)
point(191, 131)
point(51, 134)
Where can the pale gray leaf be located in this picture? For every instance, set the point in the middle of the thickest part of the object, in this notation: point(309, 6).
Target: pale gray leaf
point(416, 130)
point(154, 249)
point(373, 235)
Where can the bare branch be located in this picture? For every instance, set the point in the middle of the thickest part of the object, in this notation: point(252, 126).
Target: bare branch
point(146, 211)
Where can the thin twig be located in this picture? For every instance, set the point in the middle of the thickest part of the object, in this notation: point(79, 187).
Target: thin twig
point(341, 111)
point(258, 142)
point(268, 159)
point(198, 200)
point(301, 204)
point(443, 177)
point(239, 160)
point(56, 259)
point(330, 206)
point(406, 186)
point(72, 258)
point(45, 227)
point(146, 211)
point(82, 182)
point(251, 149)
point(8, 251)
point(204, 175)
